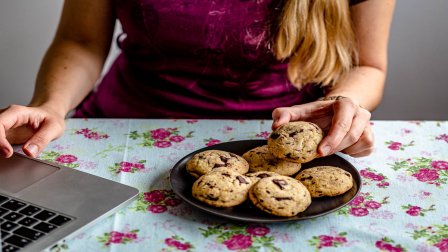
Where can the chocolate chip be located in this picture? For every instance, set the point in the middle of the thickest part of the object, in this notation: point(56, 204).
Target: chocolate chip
point(280, 183)
point(271, 162)
point(211, 197)
point(347, 174)
point(263, 175)
point(233, 155)
point(241, 180)
point(288, 155)
point(306, 178)
point(301, 130)
point(226, 175)
point(218, 165)
point(282, 198)
point(274, 136)
point(224, 159)
point(292, 134)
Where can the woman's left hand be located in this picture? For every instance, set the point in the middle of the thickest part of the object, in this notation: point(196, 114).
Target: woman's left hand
point(346, 124)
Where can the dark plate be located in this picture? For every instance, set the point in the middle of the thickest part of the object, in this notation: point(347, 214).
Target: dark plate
point(181, 183)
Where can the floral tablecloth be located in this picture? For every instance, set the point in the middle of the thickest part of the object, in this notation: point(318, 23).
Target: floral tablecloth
point(403, 204)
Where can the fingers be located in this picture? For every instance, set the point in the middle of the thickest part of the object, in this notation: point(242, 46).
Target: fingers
point(364, 146)
point(298, 112)
point(49, 131)
point(360, 122)
point(344, 112)
point(20, 123)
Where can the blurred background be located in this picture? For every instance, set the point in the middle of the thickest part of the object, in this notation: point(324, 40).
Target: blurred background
point(416, 87)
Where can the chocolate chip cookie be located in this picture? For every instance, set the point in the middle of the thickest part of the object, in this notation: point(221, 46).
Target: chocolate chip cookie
point(256, 176)
point(326, 180)
point(280, 195)
point(261, 159)
point(204, 162)
point(222, 188)
point(295, 141)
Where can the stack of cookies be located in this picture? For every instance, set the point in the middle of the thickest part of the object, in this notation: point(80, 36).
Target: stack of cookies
point(265, 174)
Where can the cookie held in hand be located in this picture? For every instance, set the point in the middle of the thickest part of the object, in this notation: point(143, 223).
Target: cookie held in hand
point(326, 180)
point(295, 141)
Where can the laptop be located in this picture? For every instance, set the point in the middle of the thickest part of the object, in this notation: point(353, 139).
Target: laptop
point(42, 203)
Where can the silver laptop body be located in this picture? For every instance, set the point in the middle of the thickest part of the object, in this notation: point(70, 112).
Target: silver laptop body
point(68, 201)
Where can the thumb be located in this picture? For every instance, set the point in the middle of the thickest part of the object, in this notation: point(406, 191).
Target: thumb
point(280, 116)
point(44, 135)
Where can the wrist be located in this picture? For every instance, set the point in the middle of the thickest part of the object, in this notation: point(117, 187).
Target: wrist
point(52, 106)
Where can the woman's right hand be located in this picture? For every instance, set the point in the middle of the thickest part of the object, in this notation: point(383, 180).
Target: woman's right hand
point(34, 127)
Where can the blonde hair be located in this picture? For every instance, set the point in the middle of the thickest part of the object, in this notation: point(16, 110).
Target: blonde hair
point(318, 39)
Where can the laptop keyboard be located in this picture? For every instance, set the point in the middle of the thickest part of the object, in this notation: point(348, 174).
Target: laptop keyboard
point(21, 223)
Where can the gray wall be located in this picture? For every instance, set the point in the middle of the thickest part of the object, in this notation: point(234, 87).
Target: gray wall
point(416, 87)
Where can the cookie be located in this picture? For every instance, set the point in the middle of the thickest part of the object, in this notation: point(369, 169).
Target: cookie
point(261, 159)
point(205, 161)
point(280, 195)
point(222, 188)
point(326, 180)
point(256, 176)
point(295, 141)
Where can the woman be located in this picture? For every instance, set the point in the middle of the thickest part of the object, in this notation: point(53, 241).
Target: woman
point(213, 59)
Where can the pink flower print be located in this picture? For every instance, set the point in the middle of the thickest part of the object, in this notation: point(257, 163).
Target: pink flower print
point(172, 202)
point(325, 241)
point(162, 144)
point(359, 211)
point(257, 230)
point(192, 121)
point(442, 245)
point(177, 244)
point(157, 208)
point(159, 134)
point(357, 201)
point(395, 145)
point(443, 137)
point(383, 184)
point(425, 175)
point(212, 142)
point(414, 211)
point(238, 242)
point(154, 196)
point(263, 134)
point(66, 159)
point(439, 165)
point(387, 247)
point(177, 139)
point(372, 204)
point(131, 236)
point(340, 239)
point(115, 237)
point(126, 164)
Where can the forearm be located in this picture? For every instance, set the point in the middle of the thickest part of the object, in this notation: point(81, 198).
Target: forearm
point(363, 84)
point(67, 74)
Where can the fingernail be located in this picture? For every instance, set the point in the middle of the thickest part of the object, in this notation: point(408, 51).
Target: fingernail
point(33, 149)
point(326, 150)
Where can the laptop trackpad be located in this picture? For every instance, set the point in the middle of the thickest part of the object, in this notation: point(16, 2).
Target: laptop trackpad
point(17, 173)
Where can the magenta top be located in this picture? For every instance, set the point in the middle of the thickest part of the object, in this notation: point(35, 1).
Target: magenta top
point(194, 59)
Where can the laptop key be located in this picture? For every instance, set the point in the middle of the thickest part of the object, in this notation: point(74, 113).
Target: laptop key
point(45, 227)
point(3, 211)
point(8, 226)
point(27, 221)
point(13, 216)
point(44, 215)
point(28, 233)
point(4, 234)
point(59, 220)
point(3, 198)
point(17, 241)
point(13, 205)
point(30, 210)
point(9, 248)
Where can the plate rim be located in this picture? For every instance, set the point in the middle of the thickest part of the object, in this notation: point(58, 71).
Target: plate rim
point(275, 219)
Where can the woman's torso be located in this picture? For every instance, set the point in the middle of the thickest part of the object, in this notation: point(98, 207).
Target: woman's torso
point(195, 59)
